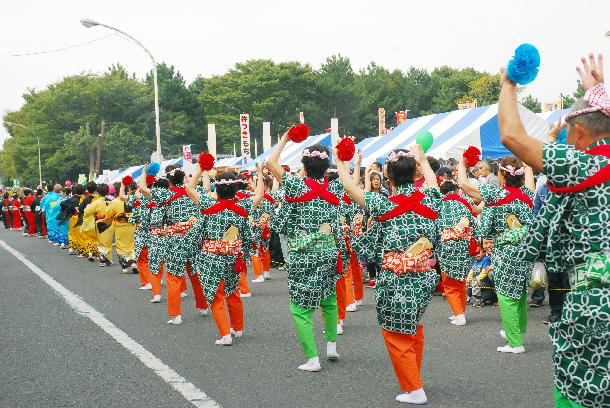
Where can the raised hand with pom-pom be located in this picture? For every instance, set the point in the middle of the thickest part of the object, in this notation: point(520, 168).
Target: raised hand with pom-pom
point(472, 155)
point(346, 149)
point(127, 180)
point(206, 161)
point(298, 133)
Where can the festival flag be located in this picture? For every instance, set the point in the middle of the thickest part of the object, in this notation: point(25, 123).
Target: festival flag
point(244, 124)
point(187, 155)
point(381, 114)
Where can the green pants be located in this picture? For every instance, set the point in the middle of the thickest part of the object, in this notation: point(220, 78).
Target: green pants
point(304, 324)
point(514, 318)
point(563, 402)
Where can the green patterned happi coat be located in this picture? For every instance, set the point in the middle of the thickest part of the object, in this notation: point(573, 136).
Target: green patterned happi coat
point(214, 268)
point(175, 250)
point(454, 256)
point(265, 207)
point(511, 273)
point(311, 275)
point(141, 218)
point(402, 300)
point(570, 229)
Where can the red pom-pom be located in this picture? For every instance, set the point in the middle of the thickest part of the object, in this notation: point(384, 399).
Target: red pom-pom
point(473, 247)
point(286, 168)
point(298, 133)
point(150, 179)
point(346, 149)
point(206, 161)
point(127, 181)
point(472, 156)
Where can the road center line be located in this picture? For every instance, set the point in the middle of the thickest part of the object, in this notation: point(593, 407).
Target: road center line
point(189, 391)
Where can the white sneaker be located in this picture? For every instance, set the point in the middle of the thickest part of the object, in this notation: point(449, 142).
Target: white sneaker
point(451, 318)
point(71, 251)
point(460, 320)
point(351, 308)
point(245, 295)
point(156, 299)
point(237, 333)
point(312, 365)
point(417, 397)
point(260, 279)
point(339, 329)
point(266, 275)
point(204, 312)
point(331, 351)
point(503, 334)
point(62, 246)
point(509, 349)
point(81, 255)
point(90, 257)
point(55, 243)
point(224, 341)
point(148, 286)
point(184, 294)
point(175, 320)
point(359, 302)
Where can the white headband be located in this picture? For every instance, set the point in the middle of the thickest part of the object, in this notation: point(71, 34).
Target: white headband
point(394, 156)
point(315, 153)
point(228, 181)
point(513, 171)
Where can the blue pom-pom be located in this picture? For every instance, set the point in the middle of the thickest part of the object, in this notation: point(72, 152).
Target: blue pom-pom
point(562, 136)
point(153, 168)
point(523, 68)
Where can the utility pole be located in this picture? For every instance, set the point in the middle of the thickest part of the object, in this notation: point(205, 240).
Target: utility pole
point(98, 158)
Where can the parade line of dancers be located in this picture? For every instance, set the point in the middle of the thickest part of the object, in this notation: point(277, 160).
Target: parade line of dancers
point(427, 228)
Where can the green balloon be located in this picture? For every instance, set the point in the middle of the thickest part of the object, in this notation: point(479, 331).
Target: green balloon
point(425, 139)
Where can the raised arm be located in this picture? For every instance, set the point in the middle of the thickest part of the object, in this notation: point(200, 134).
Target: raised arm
point(191, 187)
point(350, 186)
point(530, 183)
point(142, 183)
point(122, 195)
point(274, 159)
point(259, 191)
point(367, 179)
point(357, 161)
point(468, 188)
point(426, 170)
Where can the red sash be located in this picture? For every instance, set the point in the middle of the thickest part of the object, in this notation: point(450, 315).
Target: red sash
point(346, 199)
point(316, 190)
point(136, 204)
point(225, 205)
point(459, 199)
point(268, 198)
point(408, 203)
point(514, 193)
point(240, 195)
point(151, 205)
point(178, 192)
point(602, 176)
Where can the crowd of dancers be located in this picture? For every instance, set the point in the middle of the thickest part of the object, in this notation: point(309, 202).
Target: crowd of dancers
point(409, 224)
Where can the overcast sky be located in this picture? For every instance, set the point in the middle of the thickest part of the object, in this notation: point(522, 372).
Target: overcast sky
point(209, 37)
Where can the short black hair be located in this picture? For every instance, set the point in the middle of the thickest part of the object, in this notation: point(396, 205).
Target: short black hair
point(102, 189)
point(316, 166)
point(434, 164)
point(39, 191)
point(227, 191)
point(78, 189)
point(448, 186)
point(402, 171)
point(242, 178)
point(161, 183)
point(177, 177)
point(27, 192)
point(332, 175)
point(91, 187)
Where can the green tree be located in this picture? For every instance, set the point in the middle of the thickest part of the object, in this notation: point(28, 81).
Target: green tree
point(578, 93)
point(531, 103)
point(485, 90)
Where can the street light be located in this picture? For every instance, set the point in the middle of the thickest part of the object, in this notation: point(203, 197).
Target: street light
point(90, 23)
point(38, 139)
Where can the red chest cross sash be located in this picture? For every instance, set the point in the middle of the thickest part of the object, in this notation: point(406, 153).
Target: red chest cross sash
point(240, 195)
point(222, 205)
point(514, 194)
point(316, 190)
point(268, 198)
point(178, 192)
point(602, 176)
point(346, 199)
point(408, 203)
point(459, 199)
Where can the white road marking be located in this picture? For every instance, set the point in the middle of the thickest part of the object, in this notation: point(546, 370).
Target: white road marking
point(191, 393)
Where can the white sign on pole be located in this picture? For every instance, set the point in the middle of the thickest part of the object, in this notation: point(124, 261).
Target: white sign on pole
point(266, 136)
point(255, 148)
point(334, 130)
point(212, 139)
point(301, 117)
point(244, 123)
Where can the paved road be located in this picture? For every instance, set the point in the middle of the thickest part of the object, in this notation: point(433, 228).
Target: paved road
point(50, 356)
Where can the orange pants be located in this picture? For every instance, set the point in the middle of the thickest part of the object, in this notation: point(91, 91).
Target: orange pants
point(406, 353)
point(220, 304)
point(356, 278)
point(257, 265)
point(155, 280)
point(341, 293)
point(243, 287)
point(200, 301)
point(143, 271)
point(265, 257)
point(175, 286)
point(456, 294)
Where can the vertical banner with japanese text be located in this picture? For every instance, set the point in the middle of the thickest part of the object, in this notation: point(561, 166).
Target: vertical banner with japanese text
point(301, 117)
point(244, 123)
point(187, 154)
point(381, 113)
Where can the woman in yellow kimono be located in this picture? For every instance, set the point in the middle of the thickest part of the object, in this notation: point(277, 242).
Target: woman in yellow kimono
point(105, 232)
point(118, 213)
point(86, 221)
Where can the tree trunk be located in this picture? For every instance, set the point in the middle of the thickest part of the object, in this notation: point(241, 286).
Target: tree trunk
point(91, 152)
point(98, 157)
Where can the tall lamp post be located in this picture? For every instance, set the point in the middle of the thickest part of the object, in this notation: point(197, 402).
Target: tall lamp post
point(38, 140)
point(90, 23)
